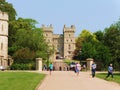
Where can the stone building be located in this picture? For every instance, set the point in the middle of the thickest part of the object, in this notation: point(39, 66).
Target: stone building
point(3, 39)
point(63, 44)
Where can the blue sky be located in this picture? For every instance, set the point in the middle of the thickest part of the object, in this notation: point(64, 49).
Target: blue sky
point(92, 15)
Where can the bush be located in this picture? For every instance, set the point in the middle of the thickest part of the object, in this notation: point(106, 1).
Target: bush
point(29, 66)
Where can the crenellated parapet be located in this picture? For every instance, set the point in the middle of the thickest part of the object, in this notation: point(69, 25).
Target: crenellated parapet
point(47, 28)
point(3, 16)
point(69, 29)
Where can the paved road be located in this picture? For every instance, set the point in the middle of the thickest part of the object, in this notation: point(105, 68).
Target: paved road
point(62, 80)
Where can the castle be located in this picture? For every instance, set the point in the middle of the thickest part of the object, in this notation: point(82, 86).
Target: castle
point(3, 39)
point(63, 44)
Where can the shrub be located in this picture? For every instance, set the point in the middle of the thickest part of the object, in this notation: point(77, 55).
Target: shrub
point(28, 66)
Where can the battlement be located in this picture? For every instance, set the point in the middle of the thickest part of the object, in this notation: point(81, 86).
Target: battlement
point(3, 16)
point(47, 28)
point(71, 28)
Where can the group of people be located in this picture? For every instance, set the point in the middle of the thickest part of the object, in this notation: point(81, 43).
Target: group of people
point(93, 69)
point(110, 70)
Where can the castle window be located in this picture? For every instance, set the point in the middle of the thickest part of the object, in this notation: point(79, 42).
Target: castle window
point(46, 34)
point(2, 27)
point(69, 47)
point(67, 40)
point(1, 46)
point(69, 35)
point(69, 52)
point(71, 40)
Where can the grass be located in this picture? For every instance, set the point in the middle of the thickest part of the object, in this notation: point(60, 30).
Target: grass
point(20, 80)
point(116, 77)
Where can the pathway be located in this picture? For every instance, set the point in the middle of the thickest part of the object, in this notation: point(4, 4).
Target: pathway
point(63, 80)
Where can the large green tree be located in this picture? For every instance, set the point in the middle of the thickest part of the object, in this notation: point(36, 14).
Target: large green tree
point(91, 46)
point(81, 38)
point(26, 35)
point(112, 40)
point(27, 42)
point(20, 23)
point(85, 36)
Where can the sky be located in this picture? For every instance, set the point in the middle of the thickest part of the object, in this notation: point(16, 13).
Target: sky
point(92, 15)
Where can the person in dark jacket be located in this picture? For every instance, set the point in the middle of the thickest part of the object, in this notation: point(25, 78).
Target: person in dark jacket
point(110, 71)
point(93, 69)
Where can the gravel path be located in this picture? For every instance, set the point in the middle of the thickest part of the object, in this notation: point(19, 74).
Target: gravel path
point(63, 80)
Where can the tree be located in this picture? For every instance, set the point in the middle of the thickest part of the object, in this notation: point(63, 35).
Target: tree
point(32, 39)
point(21, 55)
point(92, 46)
point(99, 36)
point(26, 35)
point(112, 37)
point(85, 36)
point(112, 40)
point(81, 38)
point(20, 23)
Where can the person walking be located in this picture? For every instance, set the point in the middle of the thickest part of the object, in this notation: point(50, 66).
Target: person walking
point(110, 71)
point(93, 69)
point(51, 67)
point(78, 68)
point(44, 67)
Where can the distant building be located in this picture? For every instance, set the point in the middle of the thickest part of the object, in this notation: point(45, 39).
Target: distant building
point(3, 39)
point(63, 44)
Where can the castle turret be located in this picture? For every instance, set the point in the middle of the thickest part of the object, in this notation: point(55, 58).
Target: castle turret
point(69, 41)
point(48, 33)
point(3, 38)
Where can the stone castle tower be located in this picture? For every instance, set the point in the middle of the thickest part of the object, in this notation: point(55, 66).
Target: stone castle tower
point(3, 39)
point(64, 44)
point(69, 41)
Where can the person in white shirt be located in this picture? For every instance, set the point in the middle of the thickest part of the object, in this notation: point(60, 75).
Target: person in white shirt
point(78, 68)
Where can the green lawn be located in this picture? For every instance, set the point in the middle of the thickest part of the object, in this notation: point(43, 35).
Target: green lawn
point(116, 77)
point(20, 80)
